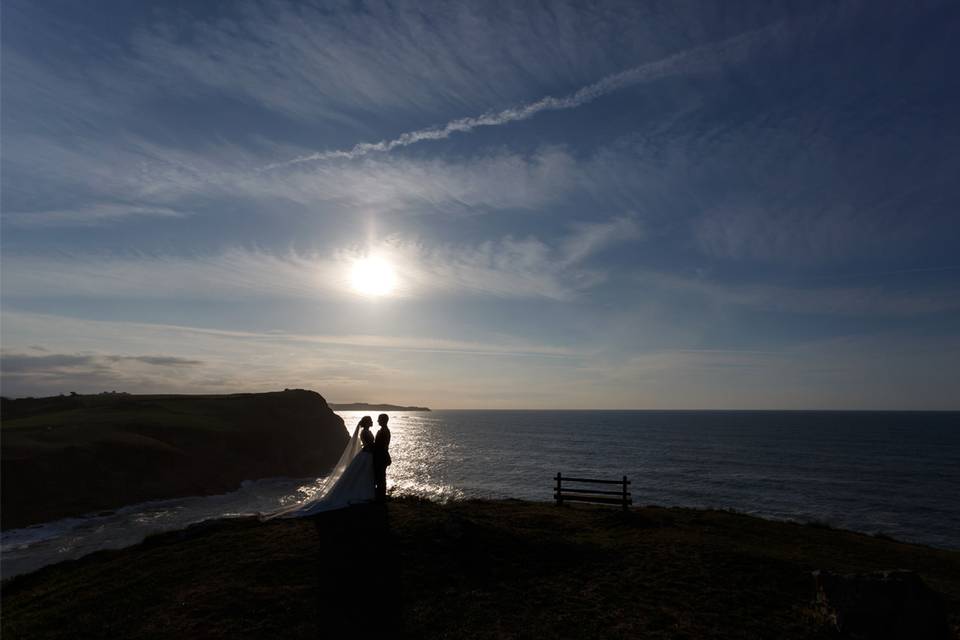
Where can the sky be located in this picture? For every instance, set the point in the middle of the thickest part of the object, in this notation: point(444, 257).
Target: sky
point(647, 205)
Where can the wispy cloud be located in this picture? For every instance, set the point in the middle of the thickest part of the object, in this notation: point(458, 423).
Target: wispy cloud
point(93, 215)
point(13, 362)
point(589, 238)
point(23, 372)
point(804, 235)
point(339, 65)
point(828, 299)
point(82, 181)
point(334, 63)
point(708, 56)
point(901, 369)
point(745, 145)
point(382, 367)
point(890, 370)
point(498, 180)
point(507, 267)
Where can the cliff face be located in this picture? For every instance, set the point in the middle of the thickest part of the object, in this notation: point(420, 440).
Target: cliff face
point(67, 456)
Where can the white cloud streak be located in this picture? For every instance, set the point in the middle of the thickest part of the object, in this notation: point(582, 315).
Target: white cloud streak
point(700, 58)
point(345, 61)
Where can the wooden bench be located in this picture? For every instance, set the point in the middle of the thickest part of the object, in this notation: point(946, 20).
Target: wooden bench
point(597, 495)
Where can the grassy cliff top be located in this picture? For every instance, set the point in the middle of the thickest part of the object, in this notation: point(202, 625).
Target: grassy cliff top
point(66, 456)
point(207, 411)
point(465, 570)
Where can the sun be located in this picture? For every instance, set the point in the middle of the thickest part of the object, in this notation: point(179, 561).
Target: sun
point(373, 276)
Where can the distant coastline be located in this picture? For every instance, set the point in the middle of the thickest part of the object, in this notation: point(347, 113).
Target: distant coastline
point(366, 406)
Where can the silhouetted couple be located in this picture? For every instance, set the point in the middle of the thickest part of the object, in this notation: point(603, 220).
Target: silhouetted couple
point(359, 477)
point(379, 447)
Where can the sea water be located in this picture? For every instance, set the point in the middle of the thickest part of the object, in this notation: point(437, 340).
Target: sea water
point(895, 473)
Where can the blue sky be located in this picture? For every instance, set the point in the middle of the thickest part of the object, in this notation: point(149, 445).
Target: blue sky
point(582, 205)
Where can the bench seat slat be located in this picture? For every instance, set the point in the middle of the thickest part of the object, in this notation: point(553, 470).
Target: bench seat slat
point(566, 479)
point(597, 491)
point(598, 499)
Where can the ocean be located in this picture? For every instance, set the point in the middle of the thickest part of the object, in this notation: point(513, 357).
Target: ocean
point(896, 473)
point(893, 473)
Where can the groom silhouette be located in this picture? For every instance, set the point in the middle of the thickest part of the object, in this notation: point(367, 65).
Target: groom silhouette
point(381, 458)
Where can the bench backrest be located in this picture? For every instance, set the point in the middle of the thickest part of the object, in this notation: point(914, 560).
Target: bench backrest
point(599, 495)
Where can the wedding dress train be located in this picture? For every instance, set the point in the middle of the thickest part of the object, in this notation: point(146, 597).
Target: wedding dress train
point(350, 482)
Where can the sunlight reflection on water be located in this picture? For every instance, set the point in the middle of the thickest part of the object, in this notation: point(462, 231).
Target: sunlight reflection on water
point(421, 455)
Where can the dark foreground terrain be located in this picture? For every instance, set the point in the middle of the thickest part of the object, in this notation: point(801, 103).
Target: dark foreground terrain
point(464, 570)
point(71, 455)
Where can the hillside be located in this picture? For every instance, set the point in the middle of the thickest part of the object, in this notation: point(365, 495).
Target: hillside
point(70, 455)
point(465, 570)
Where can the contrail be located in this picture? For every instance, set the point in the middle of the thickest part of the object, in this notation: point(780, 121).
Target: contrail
point(702, 57)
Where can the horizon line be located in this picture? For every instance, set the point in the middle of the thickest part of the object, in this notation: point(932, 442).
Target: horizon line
point(567, 409)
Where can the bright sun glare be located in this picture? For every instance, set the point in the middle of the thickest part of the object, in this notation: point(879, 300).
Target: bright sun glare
point(373, 276)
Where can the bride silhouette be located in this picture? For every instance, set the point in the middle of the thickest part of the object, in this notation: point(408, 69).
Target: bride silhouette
point(350, 482)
